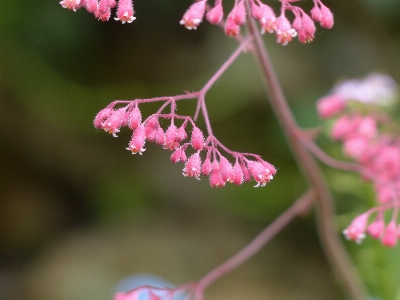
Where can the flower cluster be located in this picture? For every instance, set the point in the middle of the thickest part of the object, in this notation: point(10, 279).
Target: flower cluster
point(102, 8)
point(220, 170)
point(368, 136)
point(302, 26)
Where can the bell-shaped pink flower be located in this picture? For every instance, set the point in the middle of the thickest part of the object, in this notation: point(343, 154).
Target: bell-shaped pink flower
point(151, 125)
point(215, 15)
point(259, 173)
point(226, 169)
point(92, 6)
point(330, 105)
point(356, 230)
point(170, 138)
point(197, 139)
point(246, 173)
point(206, 168)
point(194, 15)
point(71, 4)
point(237, 170)
point(376, 228)
point(101, 117)
point(284, 31)
point(326, 17)
point(193, 166)
point(238, 13)
point(181, 133)
point(215, 177)
point(390, 237)
point(316, 14)
point(138, 140)
point(178, 155)
point(160, 136)
point(114, 122)
point(125, 12)
point(268, 19)
point(231, 27)
point(135, 118)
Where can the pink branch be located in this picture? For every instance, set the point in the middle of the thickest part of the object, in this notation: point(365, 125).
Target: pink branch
point(299, 207)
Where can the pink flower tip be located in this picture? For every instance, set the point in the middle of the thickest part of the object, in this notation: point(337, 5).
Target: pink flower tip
point(193, 166)
point(71, 4)
point(376, 228)
point(125, 12)
point(390, 237)
point(194, 15)
point(330, 105)
point(356, 230)
point(215, 15)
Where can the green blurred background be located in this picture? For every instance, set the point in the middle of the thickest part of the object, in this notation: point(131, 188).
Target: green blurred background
point(78, 212)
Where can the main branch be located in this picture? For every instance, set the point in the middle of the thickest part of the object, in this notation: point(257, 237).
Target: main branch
point(331, 243)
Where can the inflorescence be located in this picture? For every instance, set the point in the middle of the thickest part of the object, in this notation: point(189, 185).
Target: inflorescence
point(207, 159)
point(302, 25)
point(369, 137)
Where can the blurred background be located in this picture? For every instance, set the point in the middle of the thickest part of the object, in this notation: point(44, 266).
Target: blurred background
point(78, 212)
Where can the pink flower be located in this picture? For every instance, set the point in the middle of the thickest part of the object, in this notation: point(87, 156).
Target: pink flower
point(215, 177)
point(246, 173)
point(284, 31)
point(238, 13)
point(101, 117)
point(193, 166)
point(181, 133)
point(316, 14)
point(231, 27)
point(367, 127)
point(226, 170)
point(194, 15)
point(206, 168)
point(330, 105)
point(125, 12)
point(171, 138)
point(326, 17)
point(197, 139)
point(356, 230)
point(376, 228)
point(215, 15)
point(151, 125)
point(178, 155)
point(71, 4)
point(138, 140)
point(160, 136)
point(390, 237)
point(341, 128)
point(92, 6)
point(237, 169)
point(259, 173)
point(268, 19)
point(355, 146)
point(114, 122)
point(135, 118)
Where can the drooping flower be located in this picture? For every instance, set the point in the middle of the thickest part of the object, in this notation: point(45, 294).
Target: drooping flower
point(125, 12)
point(194, 15)
point(356, 230)
point(193, 166)
point(284, 31)
point(138, 140)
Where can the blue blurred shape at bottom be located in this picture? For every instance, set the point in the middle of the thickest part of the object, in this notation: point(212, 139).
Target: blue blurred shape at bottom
point(136, 281)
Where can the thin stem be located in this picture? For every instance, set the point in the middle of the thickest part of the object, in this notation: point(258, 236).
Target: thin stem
point(333, 248)
point(299, 207)
point(225, 66)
